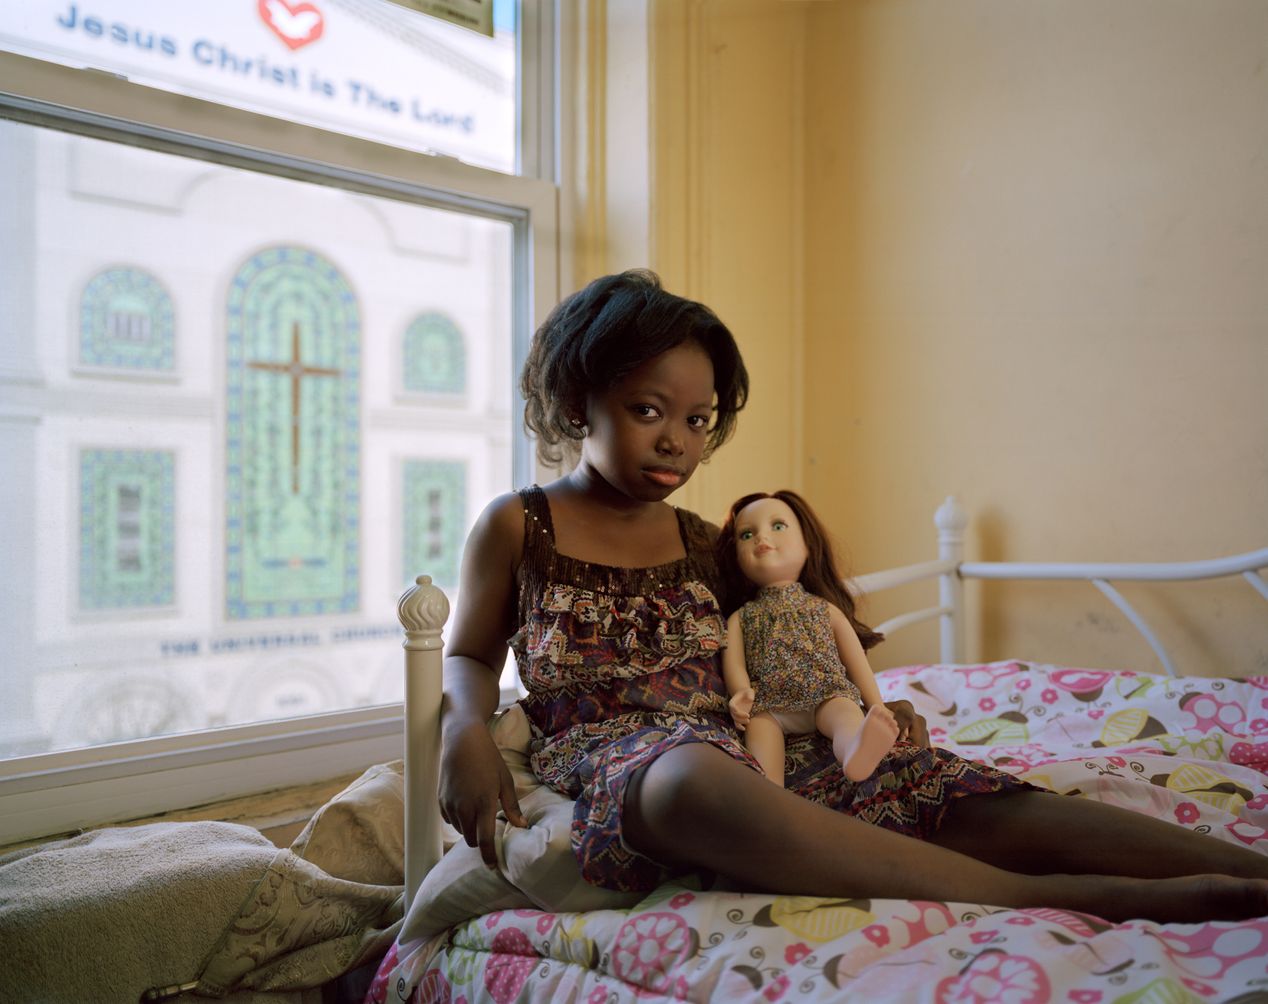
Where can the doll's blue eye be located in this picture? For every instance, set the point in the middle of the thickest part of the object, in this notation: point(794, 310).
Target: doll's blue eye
point(746, 534)
point(779, 524)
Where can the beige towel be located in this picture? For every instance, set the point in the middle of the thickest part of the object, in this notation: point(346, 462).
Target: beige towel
point(104, 916)
point(331, 903)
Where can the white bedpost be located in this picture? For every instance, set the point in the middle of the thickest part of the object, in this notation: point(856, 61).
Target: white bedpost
point(423, 610)
point(951, 521)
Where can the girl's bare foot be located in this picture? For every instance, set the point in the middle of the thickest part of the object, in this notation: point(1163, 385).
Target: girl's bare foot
point(1186, 900)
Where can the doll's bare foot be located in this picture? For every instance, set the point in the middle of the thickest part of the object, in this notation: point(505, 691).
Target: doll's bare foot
point(874, 740)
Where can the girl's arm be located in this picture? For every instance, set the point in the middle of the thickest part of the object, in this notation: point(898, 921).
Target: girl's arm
point(735, 673)
point(474, 780)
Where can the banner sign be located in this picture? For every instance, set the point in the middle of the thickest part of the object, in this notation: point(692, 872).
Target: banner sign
point(366, 67)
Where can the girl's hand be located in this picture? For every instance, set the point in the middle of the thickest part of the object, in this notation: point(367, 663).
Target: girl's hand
point(911, 724)
point(474, 782)
point(740, 705)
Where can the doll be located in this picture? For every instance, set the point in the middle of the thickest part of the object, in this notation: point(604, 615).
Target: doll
point(794, 661)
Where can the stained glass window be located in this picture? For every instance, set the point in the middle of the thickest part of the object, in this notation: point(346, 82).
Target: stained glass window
point(435, 357)
point(126, 529)
point(126, 321)
point(293, 438)
point(435, 519)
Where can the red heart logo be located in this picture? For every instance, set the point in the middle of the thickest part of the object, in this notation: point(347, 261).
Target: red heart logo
point(296, 24)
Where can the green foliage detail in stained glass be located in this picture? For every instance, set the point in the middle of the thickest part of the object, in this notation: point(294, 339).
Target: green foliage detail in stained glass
point(435, 519)
point(435, 358)
point(126, 529)
point(126, 321)
point(293, 438)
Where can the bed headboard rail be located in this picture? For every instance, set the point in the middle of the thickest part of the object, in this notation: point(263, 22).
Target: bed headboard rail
point(951, 570)
point(1246, 565)
point(951, 521)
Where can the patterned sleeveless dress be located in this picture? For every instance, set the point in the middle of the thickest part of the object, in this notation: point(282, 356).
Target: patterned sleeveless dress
point(622, 664)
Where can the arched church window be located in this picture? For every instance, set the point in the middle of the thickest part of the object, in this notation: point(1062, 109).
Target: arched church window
point(293, 438)
point(127, 322)
point(435, 356)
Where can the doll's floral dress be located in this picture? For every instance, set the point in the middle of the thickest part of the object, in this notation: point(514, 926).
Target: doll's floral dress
point(622, 664)
point(790, 651)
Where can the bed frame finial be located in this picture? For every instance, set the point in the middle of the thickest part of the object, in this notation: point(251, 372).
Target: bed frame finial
point(423, 609)
point(951, 521)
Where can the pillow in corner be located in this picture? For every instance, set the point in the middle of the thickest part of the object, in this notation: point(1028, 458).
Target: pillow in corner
point(536, 865)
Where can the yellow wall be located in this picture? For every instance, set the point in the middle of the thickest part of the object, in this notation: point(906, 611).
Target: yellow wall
point(693, 112)
point(1015, 252)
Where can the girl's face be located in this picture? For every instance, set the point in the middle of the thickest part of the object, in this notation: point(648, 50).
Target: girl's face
point(645, 435)
point(769, 544)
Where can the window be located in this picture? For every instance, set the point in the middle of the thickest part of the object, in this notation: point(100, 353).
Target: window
point(434, 504)
point(127, 529)
point(127, 323)
point(261, 376)
point(434, 360)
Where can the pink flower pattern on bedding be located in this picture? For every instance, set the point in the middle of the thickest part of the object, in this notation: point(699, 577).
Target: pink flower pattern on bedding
point(1191, 750)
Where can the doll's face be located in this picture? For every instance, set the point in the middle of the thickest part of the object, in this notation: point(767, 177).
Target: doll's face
point(768, 543)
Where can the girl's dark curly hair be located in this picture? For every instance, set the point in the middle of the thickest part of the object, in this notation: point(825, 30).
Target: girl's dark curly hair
point(819, 576)
point(596, 336)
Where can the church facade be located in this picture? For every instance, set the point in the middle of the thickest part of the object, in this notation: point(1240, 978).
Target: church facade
point(240, 414)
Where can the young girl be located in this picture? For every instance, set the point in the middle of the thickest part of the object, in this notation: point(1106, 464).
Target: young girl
point(608, 596)
point(794, 659)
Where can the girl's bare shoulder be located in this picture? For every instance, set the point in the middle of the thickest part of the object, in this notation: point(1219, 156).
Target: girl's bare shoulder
point(499, 529)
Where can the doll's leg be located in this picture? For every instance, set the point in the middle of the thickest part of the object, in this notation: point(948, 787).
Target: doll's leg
point(859, 741)
point(697, 807)
point(764, 738)
point(1031, 831)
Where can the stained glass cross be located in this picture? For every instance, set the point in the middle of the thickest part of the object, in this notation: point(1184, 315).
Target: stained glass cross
point(296, 370)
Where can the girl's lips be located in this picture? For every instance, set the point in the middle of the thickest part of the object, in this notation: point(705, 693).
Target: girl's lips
point(664, 476)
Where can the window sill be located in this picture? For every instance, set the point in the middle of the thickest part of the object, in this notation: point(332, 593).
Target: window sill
point(56, 793)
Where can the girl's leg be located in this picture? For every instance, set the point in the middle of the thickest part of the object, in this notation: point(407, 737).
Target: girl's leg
point(859, 742)
point(764, 738)
point(1036, 832)
point(697, 807)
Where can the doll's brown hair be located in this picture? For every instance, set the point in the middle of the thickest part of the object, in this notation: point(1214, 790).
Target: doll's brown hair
point(819, 576)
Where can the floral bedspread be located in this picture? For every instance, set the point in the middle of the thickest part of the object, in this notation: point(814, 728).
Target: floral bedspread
point(1192, 750)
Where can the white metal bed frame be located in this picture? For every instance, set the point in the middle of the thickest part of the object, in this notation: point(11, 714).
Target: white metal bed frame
point(424, 608)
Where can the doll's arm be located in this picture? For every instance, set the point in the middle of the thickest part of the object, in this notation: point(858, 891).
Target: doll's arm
point(850, 649)
point(911, 724)
point(735, 673)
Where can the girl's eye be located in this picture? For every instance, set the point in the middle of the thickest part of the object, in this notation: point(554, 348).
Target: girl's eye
point(645, 411)
point(699, 422)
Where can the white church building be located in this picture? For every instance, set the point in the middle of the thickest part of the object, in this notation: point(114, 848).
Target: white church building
point(240, 412)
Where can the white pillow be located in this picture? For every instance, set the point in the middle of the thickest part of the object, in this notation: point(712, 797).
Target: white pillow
point(536, 865)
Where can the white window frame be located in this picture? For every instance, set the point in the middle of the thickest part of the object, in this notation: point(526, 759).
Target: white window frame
point(52, 793)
